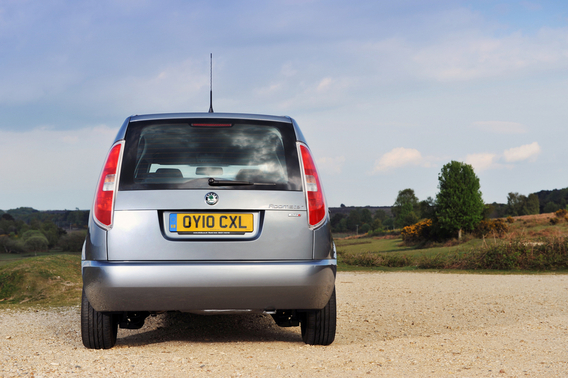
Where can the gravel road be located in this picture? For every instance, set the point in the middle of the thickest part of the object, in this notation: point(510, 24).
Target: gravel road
point(389, 324)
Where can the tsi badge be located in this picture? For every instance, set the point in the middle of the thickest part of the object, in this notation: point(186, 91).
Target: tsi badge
point(211, 198)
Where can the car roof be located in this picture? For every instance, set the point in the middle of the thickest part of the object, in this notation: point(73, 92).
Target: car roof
point(259, 117)
point(241, 116)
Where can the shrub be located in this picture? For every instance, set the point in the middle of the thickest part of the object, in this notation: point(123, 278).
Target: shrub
point(9, 245)
point(554, 221)
point(370, 259)
point(377, 232)
point(31, 233)
point(510, 219)
point(36, 243)
point(548, 254)
point(417, 232)
point(561, 213)
point(437, 261)
point(73, 241)
point(365, 228)
point(488, 227)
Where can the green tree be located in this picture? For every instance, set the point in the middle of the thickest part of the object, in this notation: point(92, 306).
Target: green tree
point(335, 219)
point(518, 204)
point(389, 223)
point(7, 217)
point(366, 216)
point(488, 210)
point(51, 232)
point(406, 208)
point(459, 205)
point(515, 204)
point(342, 226)
point(428, 208)
point(377, 225)
point(365, 228)
point(381, 215)
point(353, 220)
point(36, 243)
point(73, 241)
point(533, 204)
point(551, 207)
point(10, 245)
point(31, 233)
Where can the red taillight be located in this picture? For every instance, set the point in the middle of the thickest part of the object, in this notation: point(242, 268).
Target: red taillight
point(104, 200)
point(316, 201)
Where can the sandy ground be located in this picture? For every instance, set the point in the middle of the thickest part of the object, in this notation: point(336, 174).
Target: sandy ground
point(389, 324)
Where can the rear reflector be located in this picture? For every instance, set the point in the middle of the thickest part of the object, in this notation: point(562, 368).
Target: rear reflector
point(104, 199)
point(316, 201)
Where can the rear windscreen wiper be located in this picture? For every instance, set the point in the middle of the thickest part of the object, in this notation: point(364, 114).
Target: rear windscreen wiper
point(213, 182)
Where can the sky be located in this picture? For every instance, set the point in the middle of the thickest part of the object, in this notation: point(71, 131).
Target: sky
point(385, 92)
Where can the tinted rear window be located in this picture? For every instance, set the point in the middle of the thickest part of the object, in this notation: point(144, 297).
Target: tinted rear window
point(186, 154)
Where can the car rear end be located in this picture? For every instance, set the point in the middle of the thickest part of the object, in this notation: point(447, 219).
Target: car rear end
point(208, 213)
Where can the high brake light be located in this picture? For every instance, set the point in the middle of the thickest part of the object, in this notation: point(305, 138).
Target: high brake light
point(316, 200)
point(106, 189)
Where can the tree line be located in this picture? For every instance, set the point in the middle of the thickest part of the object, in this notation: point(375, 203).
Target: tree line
point(457, 208)
point(66, 219)
point(28, 230)
point(362, 221)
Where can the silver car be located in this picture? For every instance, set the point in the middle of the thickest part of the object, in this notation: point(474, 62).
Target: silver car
point(208, 213)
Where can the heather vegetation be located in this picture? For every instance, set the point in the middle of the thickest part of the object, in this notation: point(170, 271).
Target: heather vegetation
point(534, 242)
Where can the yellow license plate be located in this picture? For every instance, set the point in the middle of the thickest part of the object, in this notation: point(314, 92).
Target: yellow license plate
point(211, 223)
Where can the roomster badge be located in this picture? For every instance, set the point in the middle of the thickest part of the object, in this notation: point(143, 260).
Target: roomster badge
point(211, 198)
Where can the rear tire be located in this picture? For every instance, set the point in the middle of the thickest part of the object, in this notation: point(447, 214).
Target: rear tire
point(318, 327)
point(98, 329)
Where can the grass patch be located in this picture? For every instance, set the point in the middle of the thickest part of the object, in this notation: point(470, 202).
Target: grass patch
point(6, 258)
point(53, 280)
point(382, 245)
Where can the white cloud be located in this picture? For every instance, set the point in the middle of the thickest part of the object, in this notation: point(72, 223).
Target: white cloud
point(331, 165)
point(501, 127)
point(398, 157)
point(324, 84)
point(525, 152)
point(484, 161)
point(481, 162)
point(468, 56)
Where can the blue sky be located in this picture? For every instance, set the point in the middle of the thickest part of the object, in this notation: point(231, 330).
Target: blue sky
point(385, 92)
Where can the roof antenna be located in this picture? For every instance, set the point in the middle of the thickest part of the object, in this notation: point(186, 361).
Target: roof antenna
point(211, 83)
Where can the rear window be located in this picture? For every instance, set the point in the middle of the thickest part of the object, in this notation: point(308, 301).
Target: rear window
point(197, 154)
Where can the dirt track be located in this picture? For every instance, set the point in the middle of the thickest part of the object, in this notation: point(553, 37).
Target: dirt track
point(389, 324)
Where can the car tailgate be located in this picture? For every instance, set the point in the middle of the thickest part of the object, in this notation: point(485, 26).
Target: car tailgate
point(141, 230)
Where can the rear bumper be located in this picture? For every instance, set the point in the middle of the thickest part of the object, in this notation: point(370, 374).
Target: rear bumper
point(166, 286)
